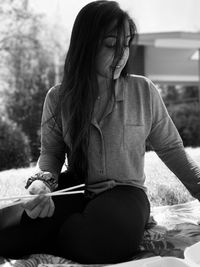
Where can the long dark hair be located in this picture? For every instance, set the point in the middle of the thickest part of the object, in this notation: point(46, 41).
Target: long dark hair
point(79, 88)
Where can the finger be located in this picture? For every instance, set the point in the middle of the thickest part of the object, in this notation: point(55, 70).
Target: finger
point(31, 204)
point(35, 212)
point(45, 211)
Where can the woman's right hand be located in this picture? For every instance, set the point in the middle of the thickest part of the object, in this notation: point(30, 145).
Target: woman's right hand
point(41, 206)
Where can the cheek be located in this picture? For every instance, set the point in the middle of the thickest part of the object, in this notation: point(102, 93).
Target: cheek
point(104, 61)
point(126, 54)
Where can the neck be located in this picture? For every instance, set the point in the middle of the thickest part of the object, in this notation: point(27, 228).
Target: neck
point(103, 84)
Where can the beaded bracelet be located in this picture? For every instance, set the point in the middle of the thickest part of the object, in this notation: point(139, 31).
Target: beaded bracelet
point(45, 177)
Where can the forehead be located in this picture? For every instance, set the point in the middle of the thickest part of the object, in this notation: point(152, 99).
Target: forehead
point(112, 29)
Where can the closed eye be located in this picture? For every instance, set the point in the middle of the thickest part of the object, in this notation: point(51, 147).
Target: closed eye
point(111, 41)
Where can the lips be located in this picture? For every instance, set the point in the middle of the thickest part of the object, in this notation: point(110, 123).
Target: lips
point(120, 65)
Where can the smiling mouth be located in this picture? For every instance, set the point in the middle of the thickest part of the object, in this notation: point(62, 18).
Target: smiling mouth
point(117, 67)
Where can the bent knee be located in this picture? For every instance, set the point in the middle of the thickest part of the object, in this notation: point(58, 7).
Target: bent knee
point(85, 243)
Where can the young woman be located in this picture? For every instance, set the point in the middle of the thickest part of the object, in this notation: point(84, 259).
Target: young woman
point(100, 117)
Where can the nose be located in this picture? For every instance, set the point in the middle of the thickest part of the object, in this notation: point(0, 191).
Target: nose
point(126, 52)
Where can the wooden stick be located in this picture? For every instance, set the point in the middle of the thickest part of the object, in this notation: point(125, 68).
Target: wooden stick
point(19, 200)
point(70, 188)
point(55, 193)
point(64, 193)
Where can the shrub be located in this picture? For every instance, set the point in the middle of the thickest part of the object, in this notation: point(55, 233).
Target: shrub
point(14, 146)
point(186, 118)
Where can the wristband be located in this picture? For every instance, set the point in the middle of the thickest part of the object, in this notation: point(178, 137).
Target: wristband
point(45, 177)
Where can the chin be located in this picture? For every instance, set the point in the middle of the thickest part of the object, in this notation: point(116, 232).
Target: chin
point(116, 76)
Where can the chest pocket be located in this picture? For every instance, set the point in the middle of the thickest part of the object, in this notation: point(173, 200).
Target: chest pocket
point(134, 137)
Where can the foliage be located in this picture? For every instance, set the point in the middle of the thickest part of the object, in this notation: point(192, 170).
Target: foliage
point(173, 94)
point(183, 106)
point(14, 149)
point(29, 54)
point(186, 118)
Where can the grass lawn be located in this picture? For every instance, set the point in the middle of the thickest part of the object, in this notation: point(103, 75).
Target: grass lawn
point(163, 186)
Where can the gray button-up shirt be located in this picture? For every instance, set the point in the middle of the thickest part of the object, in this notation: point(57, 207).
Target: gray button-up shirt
point(117, 143)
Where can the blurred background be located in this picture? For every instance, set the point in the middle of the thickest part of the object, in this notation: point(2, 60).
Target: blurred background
point(34, 37)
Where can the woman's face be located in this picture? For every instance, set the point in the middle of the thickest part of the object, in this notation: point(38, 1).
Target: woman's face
point(106, 53)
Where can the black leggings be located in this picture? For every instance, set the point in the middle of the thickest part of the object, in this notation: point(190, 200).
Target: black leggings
point(105, 229)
